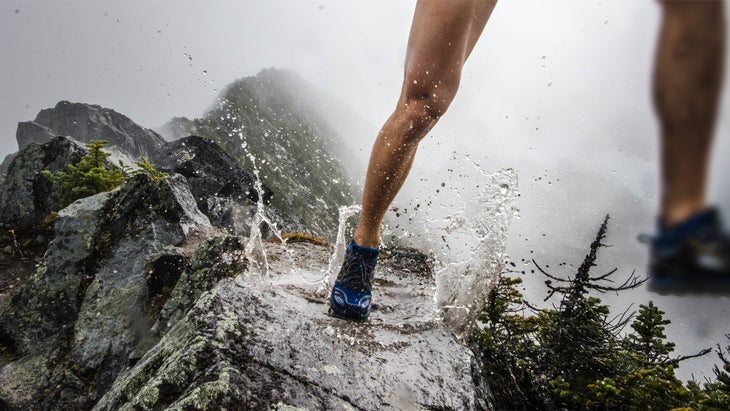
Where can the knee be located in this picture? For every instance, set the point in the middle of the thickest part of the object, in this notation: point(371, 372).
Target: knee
point(424, 104)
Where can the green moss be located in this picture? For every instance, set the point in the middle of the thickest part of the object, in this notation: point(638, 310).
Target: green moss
point(146, 398)
point(208, 395)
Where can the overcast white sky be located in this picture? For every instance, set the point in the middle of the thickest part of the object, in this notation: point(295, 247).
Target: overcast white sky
point(558, 90)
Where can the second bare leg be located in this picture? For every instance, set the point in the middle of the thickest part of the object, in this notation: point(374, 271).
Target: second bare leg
point(687, 82)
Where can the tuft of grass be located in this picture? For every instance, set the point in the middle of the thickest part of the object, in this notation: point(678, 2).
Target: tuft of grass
point(299, 237)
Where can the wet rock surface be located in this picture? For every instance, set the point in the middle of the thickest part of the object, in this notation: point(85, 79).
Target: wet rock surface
point(226, 336)
point(258, 342)
point(140, 303)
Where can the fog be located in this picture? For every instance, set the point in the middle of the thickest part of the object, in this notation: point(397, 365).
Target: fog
point(557, 90)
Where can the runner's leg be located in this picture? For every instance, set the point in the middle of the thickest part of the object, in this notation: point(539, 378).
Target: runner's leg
point(443, 33)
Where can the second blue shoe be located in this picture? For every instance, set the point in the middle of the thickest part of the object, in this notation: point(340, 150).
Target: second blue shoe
point(693, 256)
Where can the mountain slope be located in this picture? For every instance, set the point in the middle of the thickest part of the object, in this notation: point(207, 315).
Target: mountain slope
point(266, 124)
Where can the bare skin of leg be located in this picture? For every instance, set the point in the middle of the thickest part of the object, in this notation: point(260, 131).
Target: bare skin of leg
point(687, 81)
point(443, 33)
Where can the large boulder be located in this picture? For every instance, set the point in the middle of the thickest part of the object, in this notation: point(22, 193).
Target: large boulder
point(223, 190)
point(210, 171)
point(86, 122)
point(132, 310)
point(74, 325)
point(25, 195)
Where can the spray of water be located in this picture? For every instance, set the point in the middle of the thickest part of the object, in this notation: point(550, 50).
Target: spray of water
point(255, 250)
point(339, 252)
point(462, 221)
point(476, 234)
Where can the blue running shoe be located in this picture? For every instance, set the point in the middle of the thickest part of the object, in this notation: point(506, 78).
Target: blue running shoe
point(691, 257)
point(351, 295)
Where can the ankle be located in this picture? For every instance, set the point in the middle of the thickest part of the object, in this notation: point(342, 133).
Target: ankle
point(690, 225)
point(369, 241)
point(369, 252)
point(680, 214)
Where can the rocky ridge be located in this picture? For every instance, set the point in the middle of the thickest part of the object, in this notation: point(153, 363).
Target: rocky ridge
point(162, 295)
point(82, 122)
point(140, 302)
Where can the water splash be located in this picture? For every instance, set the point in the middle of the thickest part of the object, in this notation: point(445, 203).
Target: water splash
point(255, 250)
point(476, 234)
point(338, 254)
point(462, 220)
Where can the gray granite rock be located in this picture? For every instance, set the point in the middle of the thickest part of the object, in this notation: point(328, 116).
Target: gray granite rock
point(88, 305)
point(26, 196)
point(86, 122)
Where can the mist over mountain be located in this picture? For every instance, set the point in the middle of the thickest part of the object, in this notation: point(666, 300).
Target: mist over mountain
point(271, 123)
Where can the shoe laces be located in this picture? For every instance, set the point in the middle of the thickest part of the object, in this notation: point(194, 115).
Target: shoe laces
point(357, 271)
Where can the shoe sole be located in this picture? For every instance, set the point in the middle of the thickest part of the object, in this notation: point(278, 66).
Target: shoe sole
point(685, 286)
point(335, 314)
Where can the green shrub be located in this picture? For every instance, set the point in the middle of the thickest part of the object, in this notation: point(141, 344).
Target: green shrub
point(146, 167)
point(91, 175)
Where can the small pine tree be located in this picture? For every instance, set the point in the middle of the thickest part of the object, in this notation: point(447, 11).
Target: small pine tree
point(91, 175)
point(505, 347)
point(647, 342)
point(646, 379)
point(718, 392)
